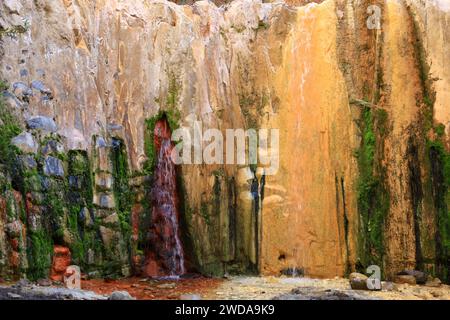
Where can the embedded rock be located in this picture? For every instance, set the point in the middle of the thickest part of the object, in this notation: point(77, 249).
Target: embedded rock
point(358, 281)
point(25, 142)
point(42, 123)
point(121, 295)
point(53, 167)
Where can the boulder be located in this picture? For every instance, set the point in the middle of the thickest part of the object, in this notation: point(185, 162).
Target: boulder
point(421, 277)
point(358, 281)
point(121, 295)
point(53, 167)
point(44, 282)
point(406, 279)
point(434, 282)
point(25, 143)
point(42, 123)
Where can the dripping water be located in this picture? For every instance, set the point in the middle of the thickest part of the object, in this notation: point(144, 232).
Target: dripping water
point(165, 257)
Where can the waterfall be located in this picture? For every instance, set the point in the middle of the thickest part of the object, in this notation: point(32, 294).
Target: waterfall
point(166, 256)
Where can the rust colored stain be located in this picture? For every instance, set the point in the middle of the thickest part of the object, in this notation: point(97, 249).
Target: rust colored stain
point(154, 289)
point(164, 256)
point(61, 260)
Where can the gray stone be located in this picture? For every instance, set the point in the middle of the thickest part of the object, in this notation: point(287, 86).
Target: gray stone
point(42, 123)
point(76, 183)
point(22, 91)
point(358, 281)
point(100, 142)
point(52, 146)
point(104, 200)
point(39, 86)
point(25, 143)
point(53, 167)
point(114, 127)
point(121, 295)
point(14, 295)
point(28, 162)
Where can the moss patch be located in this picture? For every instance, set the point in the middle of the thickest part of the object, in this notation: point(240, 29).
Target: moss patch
point(9, 128)
point(39, 254)
point(122, 192)
point(373, 198)
point(173, 118)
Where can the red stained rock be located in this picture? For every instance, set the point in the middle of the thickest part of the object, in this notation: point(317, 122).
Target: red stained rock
point(14, 259)
point(165, 254)
point(14, 244)
point(61, 260)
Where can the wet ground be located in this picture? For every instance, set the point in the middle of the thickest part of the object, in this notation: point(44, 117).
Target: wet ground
point(143, 288)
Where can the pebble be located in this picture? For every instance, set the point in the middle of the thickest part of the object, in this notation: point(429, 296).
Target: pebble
point(121, 295)
point(14, 295)
point(190, 297)
point(167, 286)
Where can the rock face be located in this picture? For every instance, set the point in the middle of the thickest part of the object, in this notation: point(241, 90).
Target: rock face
point(363, 134)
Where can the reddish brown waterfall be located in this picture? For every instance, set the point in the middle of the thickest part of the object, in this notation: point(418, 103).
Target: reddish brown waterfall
point(165, 256)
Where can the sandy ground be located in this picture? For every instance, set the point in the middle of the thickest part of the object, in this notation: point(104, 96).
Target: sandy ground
point(234, 288)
